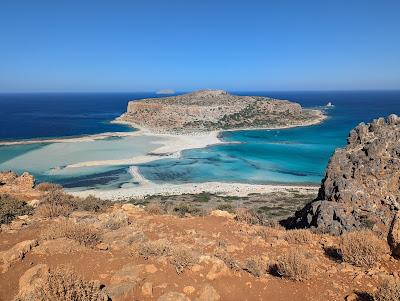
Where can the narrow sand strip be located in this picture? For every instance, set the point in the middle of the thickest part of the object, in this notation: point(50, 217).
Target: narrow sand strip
point(87, 138)
point(232, 189)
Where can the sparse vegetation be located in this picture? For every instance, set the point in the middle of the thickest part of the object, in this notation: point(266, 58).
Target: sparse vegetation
point(230, 262)
point(45, 186)
point(155, 208)
point(293, 265)
point(250, 217)
point(182, 258)
point(83, 233)
point(10, 208)
point(184, 209)
point(63, 284)
point(388, 290)
point(255, 265)
point(58, 203)
point(226, 207)
point(299, 236)
point(362, 248)
point(159, 247)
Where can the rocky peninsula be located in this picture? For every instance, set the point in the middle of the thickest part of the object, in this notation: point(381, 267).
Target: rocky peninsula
point(212, 110)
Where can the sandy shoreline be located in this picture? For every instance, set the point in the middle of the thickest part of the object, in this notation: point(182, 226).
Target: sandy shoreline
point(220, 188)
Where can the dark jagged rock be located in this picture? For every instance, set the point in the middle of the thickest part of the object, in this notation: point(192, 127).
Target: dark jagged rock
point(361, 188)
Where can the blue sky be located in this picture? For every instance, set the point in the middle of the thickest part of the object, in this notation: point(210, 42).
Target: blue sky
point(148, 45)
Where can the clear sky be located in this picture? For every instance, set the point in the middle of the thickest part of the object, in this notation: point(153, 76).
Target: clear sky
point(99, 45)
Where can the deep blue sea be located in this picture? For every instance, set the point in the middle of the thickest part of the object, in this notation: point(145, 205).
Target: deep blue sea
point(297, 155)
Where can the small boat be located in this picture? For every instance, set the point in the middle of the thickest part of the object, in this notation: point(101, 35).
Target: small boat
point(329, 104)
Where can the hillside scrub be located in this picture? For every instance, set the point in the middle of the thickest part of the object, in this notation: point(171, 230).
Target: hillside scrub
point(10, 208)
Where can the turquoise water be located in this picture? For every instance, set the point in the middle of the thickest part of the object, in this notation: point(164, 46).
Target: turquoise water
point(297, 155)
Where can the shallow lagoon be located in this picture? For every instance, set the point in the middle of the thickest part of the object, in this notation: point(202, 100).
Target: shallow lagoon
point(297, 155)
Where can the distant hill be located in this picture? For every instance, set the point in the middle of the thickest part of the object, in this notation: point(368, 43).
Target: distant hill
point(209, 110)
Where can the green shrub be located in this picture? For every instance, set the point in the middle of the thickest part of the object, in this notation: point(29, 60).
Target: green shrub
point(10, 208)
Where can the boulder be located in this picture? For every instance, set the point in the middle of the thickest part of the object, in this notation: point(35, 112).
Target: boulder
point(361, 184)
point(17, 252)
point(31, 279)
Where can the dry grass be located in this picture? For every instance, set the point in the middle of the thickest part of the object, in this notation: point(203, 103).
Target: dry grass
point(294, 265)
point(57, 203)
point(229, 261)
point(299, 236)
point(63, 284)
point(83, 233)
point(155, 208)
point(116, 220)
point(388, 290)
point(182, 258)
point(250, 217)
point(45, 186)
point(269, 232)
point(255, 265)
point(362, 248)
point(159, 247)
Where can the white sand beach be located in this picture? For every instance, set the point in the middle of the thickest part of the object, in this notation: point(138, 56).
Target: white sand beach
point(149, 188)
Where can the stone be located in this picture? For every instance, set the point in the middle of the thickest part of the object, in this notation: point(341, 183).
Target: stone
point(208, 293)
point(351, 297)
point(188, 290)
point(31, 279)
point(173, 296)
point(102, 246)
point(222, 213)
point(147, 289)
point(361, 184)
point(150, 268)
point(17, 252)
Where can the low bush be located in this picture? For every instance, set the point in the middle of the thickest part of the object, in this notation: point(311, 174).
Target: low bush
point(155, 208)
point(83, 233)
point(45, 186)
point(63, 284)
point(226, 207)
point(58, 203)
point(229, 261)
point(388, 290)
point(251, 217)
point(184, 209)
point(293, 265)
point(10, 208)
point(299, 236)
point(159, 247)
point(362, 248)
point(182, 258)
point(116, 220)
point(255, 265)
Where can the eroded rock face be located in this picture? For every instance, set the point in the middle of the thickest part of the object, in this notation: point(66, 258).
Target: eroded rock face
point(361, 188)
point(10, 182)
point(209, 110)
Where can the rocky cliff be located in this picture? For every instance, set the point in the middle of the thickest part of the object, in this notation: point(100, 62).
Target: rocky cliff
point(361, 188)
point(209, 110)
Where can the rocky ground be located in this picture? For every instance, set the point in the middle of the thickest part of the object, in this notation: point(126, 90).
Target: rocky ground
point(67, 248)
point(210, 110)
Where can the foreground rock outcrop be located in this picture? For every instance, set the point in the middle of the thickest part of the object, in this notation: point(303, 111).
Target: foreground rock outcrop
point(361, 188)
point(209, 110)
